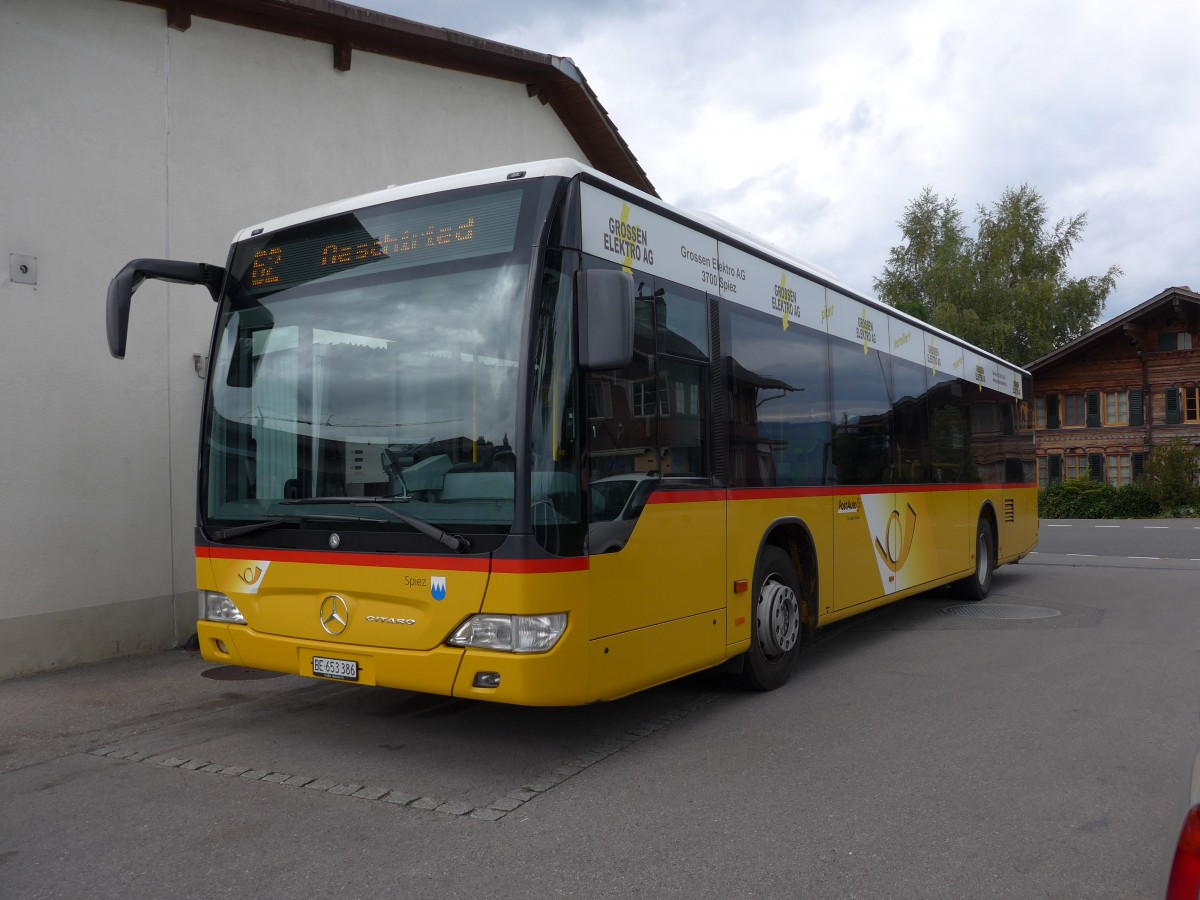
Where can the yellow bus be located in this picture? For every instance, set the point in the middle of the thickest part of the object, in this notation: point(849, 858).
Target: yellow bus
point(531, 436)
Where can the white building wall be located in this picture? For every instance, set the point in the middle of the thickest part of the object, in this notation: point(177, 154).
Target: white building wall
point(123, 138)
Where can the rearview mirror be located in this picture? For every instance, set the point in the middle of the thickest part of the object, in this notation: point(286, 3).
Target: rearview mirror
point(604, 306)
point(130, 278)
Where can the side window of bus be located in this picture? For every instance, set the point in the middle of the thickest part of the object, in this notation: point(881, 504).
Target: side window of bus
point(949, 436)
point(862, 414)
point(997, 454)
point(648, 421)
point(622, 404)
point(779, 430)
point(909, 462)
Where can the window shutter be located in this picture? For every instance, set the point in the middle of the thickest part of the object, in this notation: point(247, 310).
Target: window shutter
point(1093, 409)
point(1172, 397)
point(1096, 466)
point(1052, 411)
point(1137, 415)
point(1055, 467)
point(1138, 462)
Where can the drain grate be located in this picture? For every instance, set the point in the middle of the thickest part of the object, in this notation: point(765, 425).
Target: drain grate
point(1001, 611)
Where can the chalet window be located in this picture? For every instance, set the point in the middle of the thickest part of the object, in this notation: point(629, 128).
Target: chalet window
point(1074, 410)
point(1174, 340)
point(1173, 405)
point(1117, 408)
point(1048, 411)
point(1137, 411)
point(1120, 469)
point(1074, 467)
point(1023, 410)
point(1191, 404)
point(1055, 467)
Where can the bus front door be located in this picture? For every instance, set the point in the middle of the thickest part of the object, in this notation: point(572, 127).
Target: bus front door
point(656, 577)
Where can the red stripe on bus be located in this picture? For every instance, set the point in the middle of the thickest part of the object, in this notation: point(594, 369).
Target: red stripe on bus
point(783, 493)
point(687, 496)
point(780, 493)
point(386, 561)
point(539, 566)
point(322, 558)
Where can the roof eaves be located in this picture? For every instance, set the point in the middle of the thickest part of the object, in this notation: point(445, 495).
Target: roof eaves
point(554, 80)
point(1113, 325)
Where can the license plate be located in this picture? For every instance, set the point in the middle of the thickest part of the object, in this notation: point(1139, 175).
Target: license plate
point(342, 669)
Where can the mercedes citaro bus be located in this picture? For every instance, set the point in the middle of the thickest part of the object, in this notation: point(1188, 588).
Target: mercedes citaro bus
point(532, 436)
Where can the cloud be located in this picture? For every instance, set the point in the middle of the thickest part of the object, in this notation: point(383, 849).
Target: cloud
point(813, 124)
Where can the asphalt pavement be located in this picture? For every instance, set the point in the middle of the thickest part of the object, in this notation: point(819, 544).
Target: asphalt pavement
point(1145, 539)
point(1037, 745)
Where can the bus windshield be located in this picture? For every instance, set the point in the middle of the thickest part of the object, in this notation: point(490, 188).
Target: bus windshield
point(372, 356)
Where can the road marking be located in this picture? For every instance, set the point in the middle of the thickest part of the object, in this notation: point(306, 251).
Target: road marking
point(1053, 525)
point(1108, 526)
point(1144, 557)
point(1082, 554)
point(1156, 526)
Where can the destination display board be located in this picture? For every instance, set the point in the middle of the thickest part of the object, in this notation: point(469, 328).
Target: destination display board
point(393, 236)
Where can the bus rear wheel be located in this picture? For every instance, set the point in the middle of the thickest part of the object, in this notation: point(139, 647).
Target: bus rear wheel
point(775, 622)
point(976, 586)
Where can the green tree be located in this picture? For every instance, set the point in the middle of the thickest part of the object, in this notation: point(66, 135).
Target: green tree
point(1170, 475)
point(1007, 289)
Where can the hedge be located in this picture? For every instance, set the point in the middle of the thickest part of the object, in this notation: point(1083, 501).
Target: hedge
point(1084, 499)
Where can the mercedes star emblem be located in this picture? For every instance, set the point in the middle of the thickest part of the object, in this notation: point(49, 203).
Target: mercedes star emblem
point(335, 615)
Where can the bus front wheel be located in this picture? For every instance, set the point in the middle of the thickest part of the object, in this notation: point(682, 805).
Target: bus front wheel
point(775, 622)
point(976, 586)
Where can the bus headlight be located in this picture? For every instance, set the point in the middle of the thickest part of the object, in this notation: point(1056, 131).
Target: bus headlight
point(218, 608)
point(513, 634)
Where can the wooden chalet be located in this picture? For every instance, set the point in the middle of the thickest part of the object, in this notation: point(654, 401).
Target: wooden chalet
point(1102, 403)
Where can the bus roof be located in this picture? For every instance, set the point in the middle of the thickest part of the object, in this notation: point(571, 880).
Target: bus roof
point(570, 168)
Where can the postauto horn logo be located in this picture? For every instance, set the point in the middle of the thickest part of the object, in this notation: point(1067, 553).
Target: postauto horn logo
point(894, 549)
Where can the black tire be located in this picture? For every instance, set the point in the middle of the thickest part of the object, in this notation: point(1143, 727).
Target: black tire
point(975, 587)
point(775, 623)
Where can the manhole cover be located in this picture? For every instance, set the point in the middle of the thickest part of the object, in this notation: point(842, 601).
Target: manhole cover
point(1001, 611)
point(236, 673)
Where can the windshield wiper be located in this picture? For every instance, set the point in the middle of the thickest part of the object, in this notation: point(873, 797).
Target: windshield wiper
point(455, 542)
point(224, 534)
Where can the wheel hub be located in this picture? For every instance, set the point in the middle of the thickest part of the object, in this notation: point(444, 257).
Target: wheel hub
point(778, 618)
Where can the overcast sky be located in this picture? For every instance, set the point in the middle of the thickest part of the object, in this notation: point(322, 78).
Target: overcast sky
point(813, 124)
